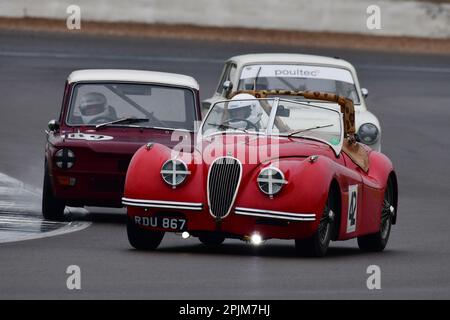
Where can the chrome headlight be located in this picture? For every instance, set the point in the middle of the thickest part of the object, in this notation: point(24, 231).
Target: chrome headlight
point(368, 133)
point(271, 180)
point(64, 158)
point(174, 172)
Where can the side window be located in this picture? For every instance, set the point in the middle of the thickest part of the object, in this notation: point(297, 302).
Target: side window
point(228, 73)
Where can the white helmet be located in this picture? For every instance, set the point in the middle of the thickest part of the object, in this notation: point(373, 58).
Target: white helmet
point(94, 105)
point(244, 108)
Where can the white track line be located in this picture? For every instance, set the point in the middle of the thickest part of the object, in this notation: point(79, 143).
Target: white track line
point(69, 228)
point(20, 214)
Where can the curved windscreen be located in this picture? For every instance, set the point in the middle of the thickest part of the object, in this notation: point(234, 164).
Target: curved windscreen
point(248, 115)
point(280, 117)
point(301, 120)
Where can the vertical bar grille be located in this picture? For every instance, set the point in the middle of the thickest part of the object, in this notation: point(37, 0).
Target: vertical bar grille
point(223, 182)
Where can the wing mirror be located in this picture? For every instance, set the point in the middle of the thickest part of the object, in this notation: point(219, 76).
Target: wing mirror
point(364, 92)
point(227, 87)
point(206, 105)
point(53, 125)
point(282, 111)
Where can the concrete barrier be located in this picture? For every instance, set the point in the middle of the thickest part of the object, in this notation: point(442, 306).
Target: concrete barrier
point(398, 18)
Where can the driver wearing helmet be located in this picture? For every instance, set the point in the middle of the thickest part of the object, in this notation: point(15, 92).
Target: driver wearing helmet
point(94, 109)
point(244, 112)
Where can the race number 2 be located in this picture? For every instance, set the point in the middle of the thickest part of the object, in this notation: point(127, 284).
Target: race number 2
point(352, 208)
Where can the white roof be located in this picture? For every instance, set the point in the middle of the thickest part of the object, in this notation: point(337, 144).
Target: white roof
point(133, 76)
point(290, 58)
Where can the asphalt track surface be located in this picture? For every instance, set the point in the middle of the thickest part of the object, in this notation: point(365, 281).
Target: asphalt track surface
point(409, 93)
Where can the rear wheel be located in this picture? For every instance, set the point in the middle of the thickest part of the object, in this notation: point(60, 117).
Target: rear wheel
point(378, 241)
point(142, 239)
point(211, 239)
point(52, 208)
point(317, 244)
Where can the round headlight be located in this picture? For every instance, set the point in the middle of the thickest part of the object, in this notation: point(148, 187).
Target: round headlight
point(271, 180)
point(174, 172)
point(368, 133)
point(64, 158)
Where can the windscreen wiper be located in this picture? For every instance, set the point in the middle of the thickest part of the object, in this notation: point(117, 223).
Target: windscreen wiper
point(309, 129)
point(227, 126)
point(121, 120)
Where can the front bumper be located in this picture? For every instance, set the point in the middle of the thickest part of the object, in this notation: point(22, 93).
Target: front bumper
point(241, 223)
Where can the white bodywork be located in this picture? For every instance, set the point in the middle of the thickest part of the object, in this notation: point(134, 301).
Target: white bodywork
point(171, 79)
point(235, 66)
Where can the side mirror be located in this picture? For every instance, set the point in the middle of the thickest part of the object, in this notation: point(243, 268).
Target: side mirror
point(227, 87)
point(364, 92)
point(53, 125)
point(283, 112)
point(206, 105)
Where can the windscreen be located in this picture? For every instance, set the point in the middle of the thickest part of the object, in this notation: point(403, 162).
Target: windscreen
point(298, 78)
point(248, 115)
point(276, 117)
point(301, 120)
point(153, 105)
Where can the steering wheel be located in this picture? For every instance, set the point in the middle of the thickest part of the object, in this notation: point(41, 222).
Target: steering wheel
point(100, 119)
point(248, 126)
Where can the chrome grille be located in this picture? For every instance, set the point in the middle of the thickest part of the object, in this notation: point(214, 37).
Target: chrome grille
point(223, 181)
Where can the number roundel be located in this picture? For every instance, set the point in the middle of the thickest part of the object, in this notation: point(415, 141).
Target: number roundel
point(352, 208)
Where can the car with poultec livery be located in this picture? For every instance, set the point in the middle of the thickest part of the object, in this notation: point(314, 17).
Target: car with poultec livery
point(106, 115)
point(300, 72)
point(266, 167)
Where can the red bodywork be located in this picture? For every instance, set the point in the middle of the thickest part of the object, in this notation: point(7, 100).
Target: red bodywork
point(100, 167)
point(305, 193)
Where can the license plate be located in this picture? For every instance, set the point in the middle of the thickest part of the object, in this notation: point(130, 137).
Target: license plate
point(167, 223)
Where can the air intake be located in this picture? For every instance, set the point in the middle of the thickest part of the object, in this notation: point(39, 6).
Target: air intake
point(224, 178)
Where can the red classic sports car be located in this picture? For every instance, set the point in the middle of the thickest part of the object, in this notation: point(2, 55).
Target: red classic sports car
point(106, 116)
point(265, 166)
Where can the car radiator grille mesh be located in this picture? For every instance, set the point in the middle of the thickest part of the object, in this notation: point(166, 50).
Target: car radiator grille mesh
point(223, 181)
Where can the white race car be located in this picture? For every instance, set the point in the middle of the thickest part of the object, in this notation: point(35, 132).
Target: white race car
point(299, 72)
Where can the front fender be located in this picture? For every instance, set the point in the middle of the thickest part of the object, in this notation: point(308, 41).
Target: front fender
point(306, 190)
point(144, 181)
point(381, 169)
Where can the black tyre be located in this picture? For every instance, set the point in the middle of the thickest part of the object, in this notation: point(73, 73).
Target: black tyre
point(142, 239)
point(377, 242)
point(52, 208)
point(211, 239)
point(317, 244)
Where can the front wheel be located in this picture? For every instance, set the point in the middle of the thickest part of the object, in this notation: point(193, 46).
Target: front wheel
point(377, 242)
point(52, 208)
point(142, 239)
point(317, 244)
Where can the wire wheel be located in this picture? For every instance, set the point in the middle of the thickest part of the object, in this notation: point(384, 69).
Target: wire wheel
point(378, 241)
point(326, 223)
point(317, 244)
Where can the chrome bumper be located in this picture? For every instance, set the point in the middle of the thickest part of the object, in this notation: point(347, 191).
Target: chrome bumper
point(162, 204)
point(269, 214)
